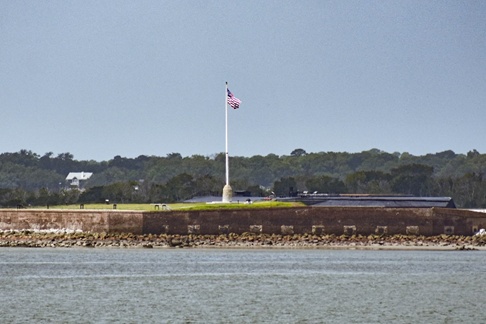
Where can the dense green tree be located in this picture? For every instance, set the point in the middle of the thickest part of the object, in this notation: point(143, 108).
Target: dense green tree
point(120, 192)
point(285, 187)
point(13, 197)
point(92, 195)
point(298, 152)
point(368, 182)
point(158, 194)
point(23, 174)
point(260, 170)
point(181, 187)
point(470, 190)
point(326, 184)
point(68, 197)
point(472, 154)
point(207, 185)
point(257, 191)
point(414, 179)
point(376, 160)
point(45, 161)
point(23, 157)
point(174, 156)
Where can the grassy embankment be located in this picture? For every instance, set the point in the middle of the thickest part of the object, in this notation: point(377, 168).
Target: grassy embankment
point(179, 206)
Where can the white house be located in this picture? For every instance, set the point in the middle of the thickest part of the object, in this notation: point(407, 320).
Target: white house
point(75, 178)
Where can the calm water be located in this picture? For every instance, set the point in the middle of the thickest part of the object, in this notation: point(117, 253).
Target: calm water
point(241, 286)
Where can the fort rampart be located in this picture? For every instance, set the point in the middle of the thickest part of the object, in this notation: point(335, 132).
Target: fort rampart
point(296, 220)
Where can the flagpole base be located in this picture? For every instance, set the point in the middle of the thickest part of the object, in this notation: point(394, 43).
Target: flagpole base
point(227, 194)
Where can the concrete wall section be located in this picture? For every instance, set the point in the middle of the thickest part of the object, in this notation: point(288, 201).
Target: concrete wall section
point(126, 222)
point(85, 220)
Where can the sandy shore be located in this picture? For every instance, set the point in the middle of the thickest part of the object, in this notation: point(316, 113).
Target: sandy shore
point(246, 240)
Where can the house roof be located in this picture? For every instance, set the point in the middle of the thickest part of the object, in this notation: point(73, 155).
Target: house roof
point(79, 175)
point(375, 201)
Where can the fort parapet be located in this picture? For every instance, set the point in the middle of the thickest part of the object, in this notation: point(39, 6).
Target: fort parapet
point(287, 221)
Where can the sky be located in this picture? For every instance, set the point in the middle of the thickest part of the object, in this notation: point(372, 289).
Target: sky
point(104, 78)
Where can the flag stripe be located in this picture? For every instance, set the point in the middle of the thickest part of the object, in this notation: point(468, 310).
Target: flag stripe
point(233, 101)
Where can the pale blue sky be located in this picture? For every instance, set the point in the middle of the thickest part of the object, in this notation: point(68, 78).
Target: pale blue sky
point(105, 78)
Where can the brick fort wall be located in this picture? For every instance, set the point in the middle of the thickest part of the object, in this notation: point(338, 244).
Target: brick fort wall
point(297, 220)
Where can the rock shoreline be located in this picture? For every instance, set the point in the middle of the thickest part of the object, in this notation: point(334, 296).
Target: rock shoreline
point(245, 240)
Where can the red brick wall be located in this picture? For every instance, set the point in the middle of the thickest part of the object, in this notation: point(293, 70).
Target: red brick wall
point(330, 220)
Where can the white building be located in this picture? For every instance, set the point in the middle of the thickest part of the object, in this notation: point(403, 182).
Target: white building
point(75, 179)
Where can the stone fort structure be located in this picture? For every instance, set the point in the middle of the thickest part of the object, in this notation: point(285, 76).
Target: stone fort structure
point(286, 221)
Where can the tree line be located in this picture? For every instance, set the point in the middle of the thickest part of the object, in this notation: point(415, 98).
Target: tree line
point(27, 178)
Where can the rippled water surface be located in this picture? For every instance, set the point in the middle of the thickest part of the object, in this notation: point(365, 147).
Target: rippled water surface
point(241, 286)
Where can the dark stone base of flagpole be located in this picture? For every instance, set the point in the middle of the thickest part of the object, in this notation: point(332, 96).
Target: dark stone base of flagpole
point(227, 194)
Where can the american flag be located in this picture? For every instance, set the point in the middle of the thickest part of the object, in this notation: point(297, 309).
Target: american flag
point(233, 101)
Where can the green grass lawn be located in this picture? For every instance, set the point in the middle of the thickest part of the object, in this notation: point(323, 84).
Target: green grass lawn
point(185, 206)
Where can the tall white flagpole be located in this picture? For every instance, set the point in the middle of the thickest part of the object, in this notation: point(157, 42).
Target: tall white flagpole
point(227, 154)
point(227, 191)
